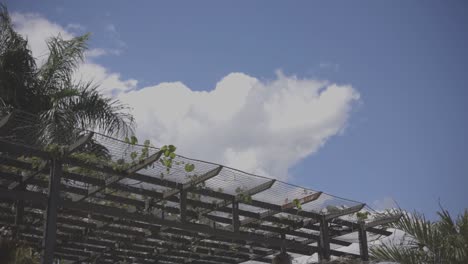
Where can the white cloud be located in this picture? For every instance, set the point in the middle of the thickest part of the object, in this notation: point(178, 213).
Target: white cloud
point(38, 29)
point(261, 127)
point(110, 83)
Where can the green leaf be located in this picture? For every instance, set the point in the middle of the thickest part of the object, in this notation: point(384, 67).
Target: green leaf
point(173, 155)
point(133, 140)
point(189, 167)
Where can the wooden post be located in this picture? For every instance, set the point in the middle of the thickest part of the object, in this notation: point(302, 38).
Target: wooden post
point(235, 216)
point(363, 247)
point(19, 211)
point(50, 223)
point(183, 205)
point(324, 240)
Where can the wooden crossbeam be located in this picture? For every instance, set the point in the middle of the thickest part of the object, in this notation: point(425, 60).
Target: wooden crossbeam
point(39, 198)
point(113, 179)
point(107, 235)
point(355, 226)
point(346, 211)
point(192, 183)
point(156, 195)
point(383, 221)
point(44, 164)
point(301, 201)
point(312, 237)
point(239, 197)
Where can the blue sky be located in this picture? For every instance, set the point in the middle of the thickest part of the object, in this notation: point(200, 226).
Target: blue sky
point(406, 136)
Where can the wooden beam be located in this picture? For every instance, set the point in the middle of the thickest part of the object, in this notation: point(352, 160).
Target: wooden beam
point(346, 211)
point(189, 227)
point(209, 244)
point(79, 143)
point(146, 162)
point(50, 223)
point(363, 246)
point(313, 238)
point(211, 193)
point(235, 216)
point(113, 179)
point(26, 178)
point(157, 195)
point(44, 164)
point(324, 242)
point(301, 201)
point(183, 206)
point(383, 221)
point(189, 185)
point(239, 197)
point(257, 189)
point(354, 227)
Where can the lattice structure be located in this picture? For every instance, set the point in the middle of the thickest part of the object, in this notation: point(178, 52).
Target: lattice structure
point(104, 200)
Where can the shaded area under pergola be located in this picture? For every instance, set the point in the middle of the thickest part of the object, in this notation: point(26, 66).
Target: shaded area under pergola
point(98, 211)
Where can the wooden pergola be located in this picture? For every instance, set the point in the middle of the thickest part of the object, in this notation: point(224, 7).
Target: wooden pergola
point(132, 208)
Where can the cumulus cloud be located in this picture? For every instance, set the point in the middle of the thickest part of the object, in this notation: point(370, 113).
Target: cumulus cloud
point(263, 127)
point(38, 29)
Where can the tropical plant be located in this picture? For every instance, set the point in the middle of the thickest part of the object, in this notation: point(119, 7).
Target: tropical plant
point(443, 241)
point(64, 105)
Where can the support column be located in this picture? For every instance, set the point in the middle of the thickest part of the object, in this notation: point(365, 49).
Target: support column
point(235, 216)
point(363, 247)
point(324, 240)
point(183, 205)
point(19, 212)
point(50, 223)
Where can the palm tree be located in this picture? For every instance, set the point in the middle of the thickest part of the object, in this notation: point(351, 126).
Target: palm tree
point(443, 241)
point(65, 106)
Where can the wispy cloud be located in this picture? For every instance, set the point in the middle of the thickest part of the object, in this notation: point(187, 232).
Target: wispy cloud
point(75, 27)
point(98, 52)
point(329, 66)
point(115, 35)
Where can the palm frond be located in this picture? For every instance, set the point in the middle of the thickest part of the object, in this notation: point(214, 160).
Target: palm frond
point(17, 66)
point(430, 242)
point(64, 57)
point(94, 111)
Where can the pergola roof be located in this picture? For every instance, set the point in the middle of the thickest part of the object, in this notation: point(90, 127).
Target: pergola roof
point(131, 207)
